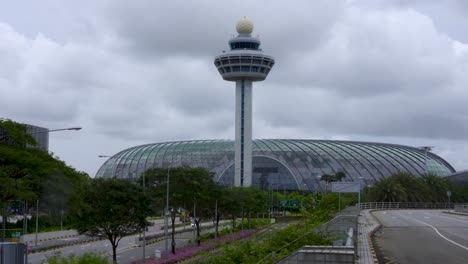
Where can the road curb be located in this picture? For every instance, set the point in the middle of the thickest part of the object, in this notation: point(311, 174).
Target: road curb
point(371, 234)
point(50, 248)
point(455, 213)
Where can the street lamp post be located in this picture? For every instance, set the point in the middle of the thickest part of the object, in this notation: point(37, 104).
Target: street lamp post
point(37, 202)
point(61, 220)
point(62, 129)
point(53, 130)
point(449, 194)
point(359, 193)
point(37, 222)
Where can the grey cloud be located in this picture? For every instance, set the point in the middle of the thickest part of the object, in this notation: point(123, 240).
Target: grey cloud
point(430, 115)
point(376, 53)
point(201, 28)
point(138, 72)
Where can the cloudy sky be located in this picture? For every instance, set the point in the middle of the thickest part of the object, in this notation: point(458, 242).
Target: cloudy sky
point(137, 72)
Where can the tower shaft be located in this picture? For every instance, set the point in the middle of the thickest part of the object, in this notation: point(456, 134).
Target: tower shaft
point(243, 145)
point(244, 63)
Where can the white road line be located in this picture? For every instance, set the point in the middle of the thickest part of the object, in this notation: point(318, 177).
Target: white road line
point(437, 231)
point(448, 218)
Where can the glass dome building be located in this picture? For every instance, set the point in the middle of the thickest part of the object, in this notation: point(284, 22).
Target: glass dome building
point(280, 164)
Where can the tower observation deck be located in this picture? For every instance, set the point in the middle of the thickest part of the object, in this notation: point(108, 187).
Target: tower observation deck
point(244, 63)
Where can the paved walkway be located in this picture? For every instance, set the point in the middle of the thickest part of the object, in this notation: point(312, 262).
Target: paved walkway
point(367, 225)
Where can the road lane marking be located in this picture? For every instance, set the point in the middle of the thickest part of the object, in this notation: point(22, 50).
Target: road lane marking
point(437, 231)
point(427, 217)
point(448, 218)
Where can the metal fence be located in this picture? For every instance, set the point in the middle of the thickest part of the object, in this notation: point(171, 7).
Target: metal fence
point(403, 205)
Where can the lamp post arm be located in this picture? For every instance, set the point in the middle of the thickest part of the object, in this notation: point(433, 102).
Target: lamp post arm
point(53, 130)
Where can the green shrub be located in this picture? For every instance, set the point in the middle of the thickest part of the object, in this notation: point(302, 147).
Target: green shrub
point(87, 258)
point(251, 250)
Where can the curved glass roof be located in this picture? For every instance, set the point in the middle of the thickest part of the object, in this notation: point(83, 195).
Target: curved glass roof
point(299, 161)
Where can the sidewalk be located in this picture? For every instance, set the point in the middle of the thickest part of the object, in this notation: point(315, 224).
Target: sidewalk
point(367, 226)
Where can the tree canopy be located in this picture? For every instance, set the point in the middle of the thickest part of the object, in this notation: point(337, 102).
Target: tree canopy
point(404, 187)
point(30, 174)
point(14, 133)
point(112, 209)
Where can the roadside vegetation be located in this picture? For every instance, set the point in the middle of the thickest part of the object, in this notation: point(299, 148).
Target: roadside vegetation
point(404, 187)
point(87, 258)
point(28, 175)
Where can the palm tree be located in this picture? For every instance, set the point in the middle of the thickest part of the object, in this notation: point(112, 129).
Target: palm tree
point(339, 176)
point(414, 187)
point(387, 190)
point(437, 187)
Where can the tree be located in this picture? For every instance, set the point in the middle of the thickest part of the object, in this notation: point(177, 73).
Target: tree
point(230, 203)
point(15, 133)
point(437, 187)
point(187, 187)
point(415, 189)
point(340, 176)
point(30, 174)
point(112, 209)
point(328, 178)
point(387, 190)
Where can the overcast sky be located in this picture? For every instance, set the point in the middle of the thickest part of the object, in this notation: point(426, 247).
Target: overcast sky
point(138, 72)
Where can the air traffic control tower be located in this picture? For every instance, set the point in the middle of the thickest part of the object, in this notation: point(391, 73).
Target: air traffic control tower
point(244, 63)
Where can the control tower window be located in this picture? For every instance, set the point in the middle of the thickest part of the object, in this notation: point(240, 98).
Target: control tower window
point(244, 45)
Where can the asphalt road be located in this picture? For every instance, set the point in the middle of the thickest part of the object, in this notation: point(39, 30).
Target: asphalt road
point(127, 251)
point(422, 236)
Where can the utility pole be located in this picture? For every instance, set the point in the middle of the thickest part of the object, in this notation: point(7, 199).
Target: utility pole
point(216, 218)
point(37, 221)
point(194, 217)
point(144, 228)
point(25, 218)
point(166, 216)
point(4, 219)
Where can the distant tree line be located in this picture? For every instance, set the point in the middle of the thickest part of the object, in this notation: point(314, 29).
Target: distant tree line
point(404, 187)
point(114, 208)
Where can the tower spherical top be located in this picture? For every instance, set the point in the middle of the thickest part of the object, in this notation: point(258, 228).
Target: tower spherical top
point(244, 26)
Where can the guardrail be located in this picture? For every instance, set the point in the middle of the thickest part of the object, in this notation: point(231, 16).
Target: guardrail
point(461, 208)
point(405, 205)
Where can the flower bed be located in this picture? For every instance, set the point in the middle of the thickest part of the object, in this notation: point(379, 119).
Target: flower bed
point(192, 250)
